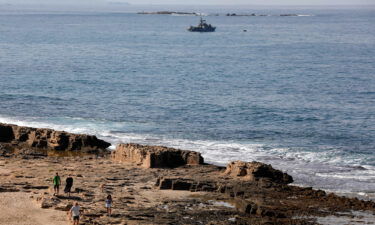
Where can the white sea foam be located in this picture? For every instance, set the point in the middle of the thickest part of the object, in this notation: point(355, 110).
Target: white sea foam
point(352, 217)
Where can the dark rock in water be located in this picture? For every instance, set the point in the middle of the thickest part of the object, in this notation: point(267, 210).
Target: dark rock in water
point(155, 156)
point(288, 15)
point(256, 170)
point(234, 14)
point(168, 13)
point(50, 139)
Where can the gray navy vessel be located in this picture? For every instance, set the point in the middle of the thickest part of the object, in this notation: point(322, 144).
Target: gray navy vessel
point(202, 27)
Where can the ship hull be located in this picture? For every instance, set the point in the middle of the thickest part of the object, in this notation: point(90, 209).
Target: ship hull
point(199, 29)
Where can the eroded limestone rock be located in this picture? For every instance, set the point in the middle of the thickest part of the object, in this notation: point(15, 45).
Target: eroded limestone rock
point(50, 139)
point(155, 156)
point(255, 171)
point(46, 202)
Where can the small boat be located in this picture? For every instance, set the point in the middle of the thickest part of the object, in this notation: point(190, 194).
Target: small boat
point(202, 27)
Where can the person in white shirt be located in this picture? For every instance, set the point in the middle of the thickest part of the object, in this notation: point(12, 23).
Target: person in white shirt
point(75, 213)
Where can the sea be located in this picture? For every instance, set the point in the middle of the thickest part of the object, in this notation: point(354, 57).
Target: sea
point(295, 91)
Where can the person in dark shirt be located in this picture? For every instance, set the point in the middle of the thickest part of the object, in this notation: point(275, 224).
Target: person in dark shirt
point(68, 185)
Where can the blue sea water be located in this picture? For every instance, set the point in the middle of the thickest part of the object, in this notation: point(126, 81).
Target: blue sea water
point(297, 92)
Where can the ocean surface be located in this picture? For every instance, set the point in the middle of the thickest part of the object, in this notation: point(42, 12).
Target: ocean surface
point(294, 91)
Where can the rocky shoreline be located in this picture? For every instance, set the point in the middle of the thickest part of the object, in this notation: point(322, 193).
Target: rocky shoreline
point(159, 185)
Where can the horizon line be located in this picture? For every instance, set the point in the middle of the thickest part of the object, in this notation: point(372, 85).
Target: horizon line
point(165, 4)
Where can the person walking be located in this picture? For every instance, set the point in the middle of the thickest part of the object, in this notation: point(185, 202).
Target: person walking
point(75, 213)
point(108, 204)
point(56, 184)
point(68, 184)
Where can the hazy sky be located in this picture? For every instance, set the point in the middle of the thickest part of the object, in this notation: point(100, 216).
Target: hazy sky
point(200, 2)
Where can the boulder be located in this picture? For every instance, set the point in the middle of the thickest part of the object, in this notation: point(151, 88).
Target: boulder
point(155, 156)
point(4, 151)
point(64, 207)
point(254, 171)
point(46, 202)
point(50, 139)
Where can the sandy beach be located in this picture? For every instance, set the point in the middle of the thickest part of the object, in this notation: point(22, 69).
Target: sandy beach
point(18, 208)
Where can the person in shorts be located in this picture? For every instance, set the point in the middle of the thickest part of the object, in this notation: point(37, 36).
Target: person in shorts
point(75, 213)
point(108, 204)
point(56, 184)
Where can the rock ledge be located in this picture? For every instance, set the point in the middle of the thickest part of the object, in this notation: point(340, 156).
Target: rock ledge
point(256, 170)
point(155, 156)
point(44, 138)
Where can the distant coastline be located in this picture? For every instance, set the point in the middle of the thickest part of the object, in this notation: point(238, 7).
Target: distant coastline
point(217, 14)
